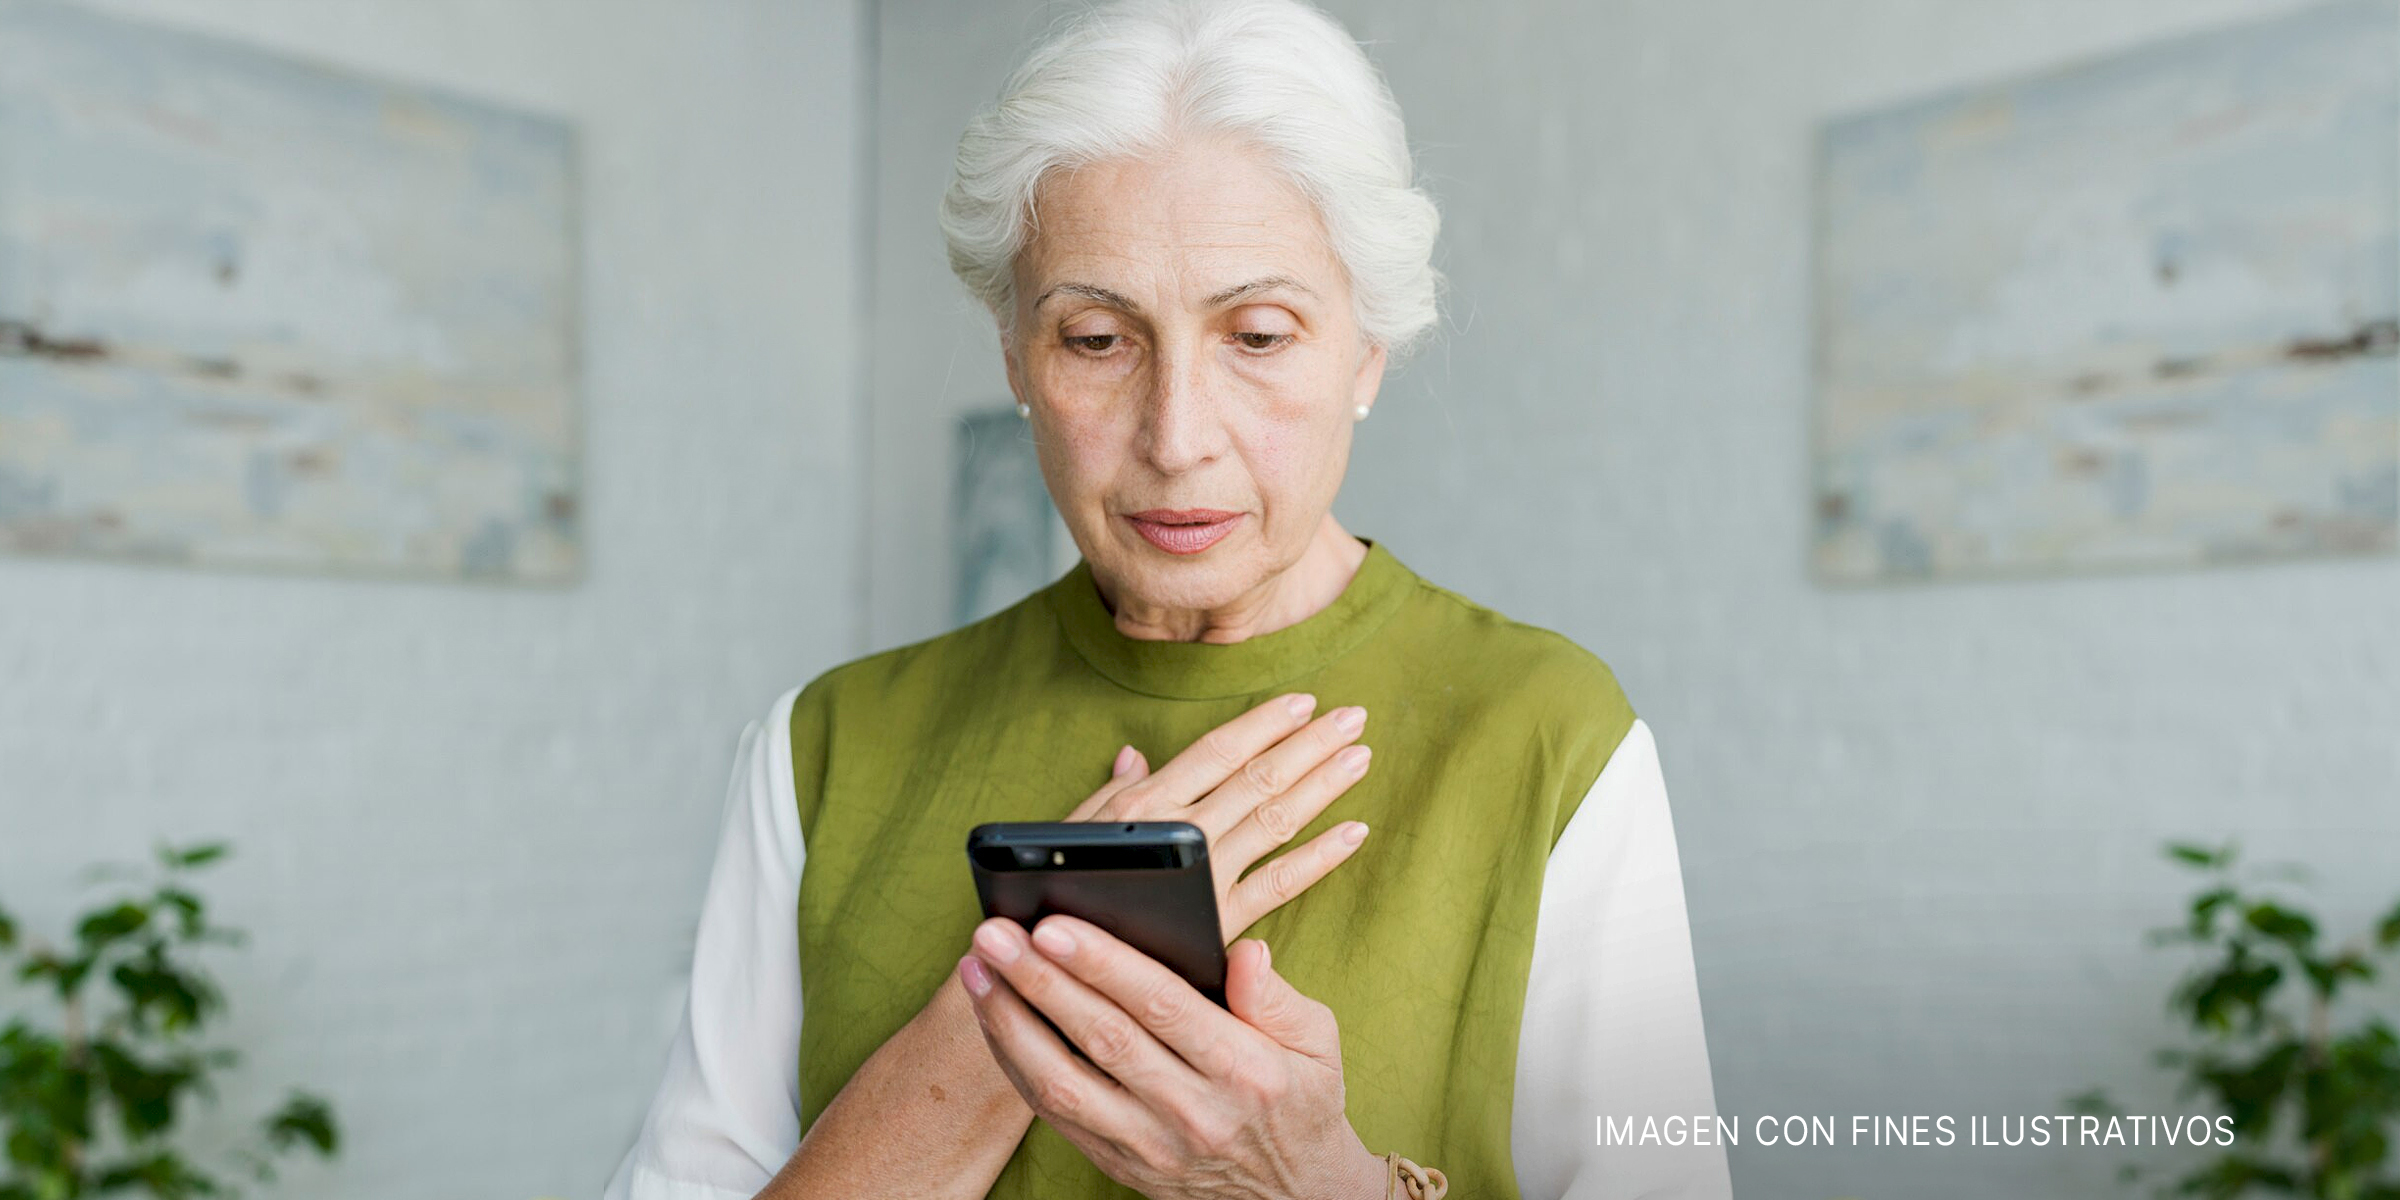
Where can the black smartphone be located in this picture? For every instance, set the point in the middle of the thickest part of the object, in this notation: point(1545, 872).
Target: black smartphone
point(1146, 882)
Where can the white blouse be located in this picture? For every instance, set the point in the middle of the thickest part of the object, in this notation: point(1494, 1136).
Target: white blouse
point(1611, 1026)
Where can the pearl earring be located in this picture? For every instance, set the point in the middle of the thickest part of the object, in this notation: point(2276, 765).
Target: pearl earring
point(1024, 410)
point(1361, 410)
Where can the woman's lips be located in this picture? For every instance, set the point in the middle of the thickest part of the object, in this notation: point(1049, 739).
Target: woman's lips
point(1184, 530)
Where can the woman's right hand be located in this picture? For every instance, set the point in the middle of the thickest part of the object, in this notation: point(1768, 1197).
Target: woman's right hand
point(1250, 784)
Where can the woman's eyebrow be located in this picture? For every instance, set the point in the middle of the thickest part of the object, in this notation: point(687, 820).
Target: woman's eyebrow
point(1101, 294)
point(1266, 284)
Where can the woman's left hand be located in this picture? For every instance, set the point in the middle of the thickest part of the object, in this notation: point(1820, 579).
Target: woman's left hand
point(1180, 1098)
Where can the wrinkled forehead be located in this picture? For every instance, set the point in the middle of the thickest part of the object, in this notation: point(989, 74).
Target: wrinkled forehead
point(1181, 225)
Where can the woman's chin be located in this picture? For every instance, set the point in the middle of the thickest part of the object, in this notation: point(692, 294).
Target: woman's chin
point(1207, 580)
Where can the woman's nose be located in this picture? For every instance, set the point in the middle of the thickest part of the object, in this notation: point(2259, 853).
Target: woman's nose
point(1182, 427)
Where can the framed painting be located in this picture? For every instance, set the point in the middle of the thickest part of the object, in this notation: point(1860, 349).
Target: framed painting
point(2133, 312)
point(260, 313)
point(1003, 523)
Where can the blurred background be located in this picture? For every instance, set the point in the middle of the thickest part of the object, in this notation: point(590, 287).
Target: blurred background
point(1967, 430)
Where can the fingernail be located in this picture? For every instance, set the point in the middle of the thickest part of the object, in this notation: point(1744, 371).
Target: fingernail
point(1354, 758)
point(1054, 941)
point(972, 973)
point(1123, 764)
point(1351, 719)
point(1354, 832)
point(1266, 955)
point(1302, 704)
point(997, 943)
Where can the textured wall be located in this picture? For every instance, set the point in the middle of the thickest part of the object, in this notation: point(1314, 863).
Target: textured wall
point(1919, 824)
point(472, 822)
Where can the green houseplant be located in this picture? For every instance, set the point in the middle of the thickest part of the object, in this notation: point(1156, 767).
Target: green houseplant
point(90, 1097)
point(2313, 1093)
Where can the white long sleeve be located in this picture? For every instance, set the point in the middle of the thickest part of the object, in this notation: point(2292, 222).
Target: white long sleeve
point(727, 1111)
point(1611, 1022)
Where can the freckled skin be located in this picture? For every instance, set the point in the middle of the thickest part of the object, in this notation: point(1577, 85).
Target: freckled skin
point(1154, 395)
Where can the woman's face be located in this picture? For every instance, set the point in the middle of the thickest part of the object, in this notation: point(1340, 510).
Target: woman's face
point(1185, 338)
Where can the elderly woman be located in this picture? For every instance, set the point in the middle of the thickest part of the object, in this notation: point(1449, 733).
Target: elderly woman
point(1196, 226)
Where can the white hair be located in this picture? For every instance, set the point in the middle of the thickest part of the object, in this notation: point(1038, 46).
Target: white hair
point(1131, 78)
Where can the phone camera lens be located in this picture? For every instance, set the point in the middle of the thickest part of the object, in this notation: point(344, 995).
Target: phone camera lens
point(1029, 856)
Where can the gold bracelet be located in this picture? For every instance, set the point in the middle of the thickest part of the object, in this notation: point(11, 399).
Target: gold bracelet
point(1408, 1181)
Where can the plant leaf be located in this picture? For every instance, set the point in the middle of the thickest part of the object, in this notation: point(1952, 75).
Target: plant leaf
point(2251, 1090)
point(102, 927)
point(2292, 928)
point(198, 856)
point(2200, 856)
point(2232, 994)
point(162, 1173)
point(304, 1118)
point(161, 994)
point(146, 1093)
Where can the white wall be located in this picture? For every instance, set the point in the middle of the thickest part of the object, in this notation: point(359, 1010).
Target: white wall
point(1919, 824)
point(472, 822)
point(934, 356)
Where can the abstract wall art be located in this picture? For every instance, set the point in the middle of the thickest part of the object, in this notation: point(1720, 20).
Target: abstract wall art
point(2134, 312)
point(260, 313)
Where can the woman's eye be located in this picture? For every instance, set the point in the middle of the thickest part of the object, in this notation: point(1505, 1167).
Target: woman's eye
point(1262, 341)
point(1094, 343)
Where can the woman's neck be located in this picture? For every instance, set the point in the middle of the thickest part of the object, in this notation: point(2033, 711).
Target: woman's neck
point(1288, 597)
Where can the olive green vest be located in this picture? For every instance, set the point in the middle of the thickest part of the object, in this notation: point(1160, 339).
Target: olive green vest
point(1487, 733)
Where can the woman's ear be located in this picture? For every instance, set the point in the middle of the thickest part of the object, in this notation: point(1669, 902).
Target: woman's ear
point(1013, 368)
point(1370, 375)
